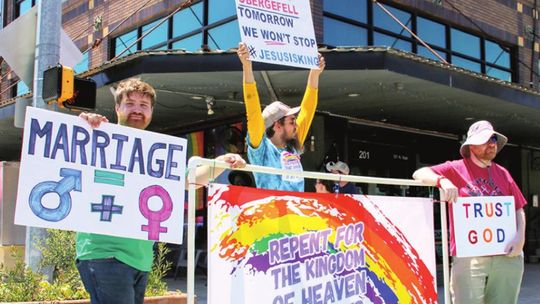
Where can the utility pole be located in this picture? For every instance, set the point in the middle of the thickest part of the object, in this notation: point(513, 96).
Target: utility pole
point(49, 25)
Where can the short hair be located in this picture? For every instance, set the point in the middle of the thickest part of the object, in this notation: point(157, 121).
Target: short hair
point(270, 130)
point(131, 85)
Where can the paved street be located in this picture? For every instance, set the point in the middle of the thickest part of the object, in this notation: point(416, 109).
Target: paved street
point(530, 288)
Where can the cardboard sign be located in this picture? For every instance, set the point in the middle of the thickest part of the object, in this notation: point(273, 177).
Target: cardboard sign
point(278, 31)
point(111, 180)
point(293, 247)
point(483, 225)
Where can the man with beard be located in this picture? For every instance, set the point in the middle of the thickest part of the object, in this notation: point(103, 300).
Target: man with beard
point(115, 269)
point(276, 136)
point(486, 279)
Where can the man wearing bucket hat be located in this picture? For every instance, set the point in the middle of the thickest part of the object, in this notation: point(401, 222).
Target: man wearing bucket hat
point(342, 168)
point(487, 279)
point(276, 135)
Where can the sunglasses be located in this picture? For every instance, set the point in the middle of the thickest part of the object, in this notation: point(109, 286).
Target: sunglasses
point(493, 139)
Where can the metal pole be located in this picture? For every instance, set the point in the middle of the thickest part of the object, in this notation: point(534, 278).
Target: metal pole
point(47, 54)
point(192, 166)
point(446, 264)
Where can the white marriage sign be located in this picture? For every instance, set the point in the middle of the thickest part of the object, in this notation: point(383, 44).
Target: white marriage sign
point(278, 31)
point(483, 225)
point(111, 180)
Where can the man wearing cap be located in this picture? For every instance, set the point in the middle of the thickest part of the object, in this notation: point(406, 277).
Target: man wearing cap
point(342, 187)
point(487, 279)
point(276, 136)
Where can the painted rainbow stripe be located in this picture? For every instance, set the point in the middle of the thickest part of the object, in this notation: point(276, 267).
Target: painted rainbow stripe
point(395, 272)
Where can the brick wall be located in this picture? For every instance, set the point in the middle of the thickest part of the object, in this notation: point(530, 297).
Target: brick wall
point(503, 20)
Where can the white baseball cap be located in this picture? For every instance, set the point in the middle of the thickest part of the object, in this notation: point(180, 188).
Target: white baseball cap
point(275, 111)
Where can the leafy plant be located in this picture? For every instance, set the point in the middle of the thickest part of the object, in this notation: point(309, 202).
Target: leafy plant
point(21, 284)
point(156, 285)
point(18, 283)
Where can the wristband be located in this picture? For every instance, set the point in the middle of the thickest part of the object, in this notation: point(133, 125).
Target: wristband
point(439, 179)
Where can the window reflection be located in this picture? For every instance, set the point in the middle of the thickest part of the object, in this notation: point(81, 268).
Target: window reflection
point(157, 36)
point(465, 43)
point(225, 36)
point(82, 66)
point(22, 88)
point(23, 7)
point(188, 20)
point(393, 42)
point(192, 43)
point(352, 9)
point(496, 55)
point(383, 20)
point(220, 9)
point(431, 32)
point(497, 73)
point(466, 48)
point(122, 42)
point(338, 33)
point(423, 51)
point(466, 64)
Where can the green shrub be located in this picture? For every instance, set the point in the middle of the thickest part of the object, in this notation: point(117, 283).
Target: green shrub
point(21, 284)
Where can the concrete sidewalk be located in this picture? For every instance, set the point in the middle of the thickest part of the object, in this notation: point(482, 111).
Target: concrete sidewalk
point(530, 287)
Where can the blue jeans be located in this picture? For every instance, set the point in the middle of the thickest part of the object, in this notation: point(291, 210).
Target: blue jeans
point(111, 281)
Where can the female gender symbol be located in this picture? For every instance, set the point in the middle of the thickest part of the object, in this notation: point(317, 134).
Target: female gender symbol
point(155, 217)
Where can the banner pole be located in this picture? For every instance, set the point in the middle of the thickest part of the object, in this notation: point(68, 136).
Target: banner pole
point(192, 166)
point(444, 240)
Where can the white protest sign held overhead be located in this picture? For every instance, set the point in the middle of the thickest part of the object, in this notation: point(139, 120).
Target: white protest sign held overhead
point(483, 225)
point(278, 31)
point(111, 180)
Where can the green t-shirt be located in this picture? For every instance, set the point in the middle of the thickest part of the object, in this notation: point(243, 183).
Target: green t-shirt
point(135, 253)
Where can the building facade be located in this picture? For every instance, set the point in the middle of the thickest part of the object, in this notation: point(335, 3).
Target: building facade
point(388, 103)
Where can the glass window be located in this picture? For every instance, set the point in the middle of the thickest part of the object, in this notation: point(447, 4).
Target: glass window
point(23, 7)
point(497, 73)
point(382, 20)
point(220, 9)
point(82, 66)
point(465, 43)
point(497, 55)
point(2, 3)
point(431, 32)
point(338, 33)
point(352, 9)
point(466, 64)
point(188, 20)
point(423, 51)
point(157, 36)
point(192, 43)
point(393, 42)
point(225, 36)
point(22, 88)
point(122, 42)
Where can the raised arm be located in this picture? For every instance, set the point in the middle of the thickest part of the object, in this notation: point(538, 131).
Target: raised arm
point(255, 120)
point(309, 102)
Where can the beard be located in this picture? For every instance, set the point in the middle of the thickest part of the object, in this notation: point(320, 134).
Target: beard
point(293, 144)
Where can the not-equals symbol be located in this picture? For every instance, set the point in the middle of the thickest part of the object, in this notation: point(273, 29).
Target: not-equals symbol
point(110, 178)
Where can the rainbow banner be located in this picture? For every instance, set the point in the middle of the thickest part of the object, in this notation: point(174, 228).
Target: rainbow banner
point(280, 247)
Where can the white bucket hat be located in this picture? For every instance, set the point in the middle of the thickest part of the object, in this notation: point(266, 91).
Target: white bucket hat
point(479, 133)
point(339, 166)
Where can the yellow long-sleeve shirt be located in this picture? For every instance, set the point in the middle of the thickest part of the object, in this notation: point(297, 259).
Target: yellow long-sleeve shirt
point(255, 120)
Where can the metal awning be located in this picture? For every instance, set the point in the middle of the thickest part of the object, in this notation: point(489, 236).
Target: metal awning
point(382, 85)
